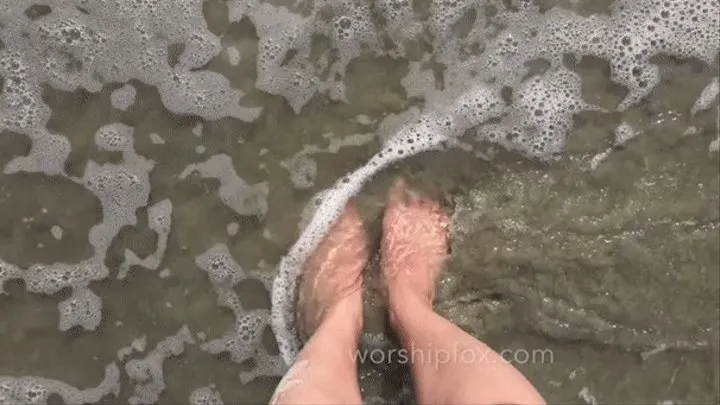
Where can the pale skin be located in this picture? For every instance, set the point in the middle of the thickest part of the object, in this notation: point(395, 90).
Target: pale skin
point(413, 250)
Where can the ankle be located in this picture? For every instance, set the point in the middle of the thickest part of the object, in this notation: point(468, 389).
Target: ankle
point(404, 302)
point(346, 314)
point(402, 291)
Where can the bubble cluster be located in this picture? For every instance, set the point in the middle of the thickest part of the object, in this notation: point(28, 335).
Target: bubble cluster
point(244, 340)
point(347, 23)
point(146, 374)
point(222, 269)
point(8, 272)
point(494, 57)
point(71, 47)
point(281, 31)
point(115, 137)
point(205, 396)
point(635, 32)
point(122, 189)
point(707, 97)
point(541, 117)
point(477, 79)
point(83, 309)
point(624, 133)
point(37, 390)
point(400, 22)
point(159, 220)
point(303, 170)
point(123, 97)
point(137, 345)
point(51, 278)
point(234, 192)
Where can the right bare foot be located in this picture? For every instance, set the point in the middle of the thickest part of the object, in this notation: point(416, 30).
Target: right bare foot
point(333, 274)
point(414, 244)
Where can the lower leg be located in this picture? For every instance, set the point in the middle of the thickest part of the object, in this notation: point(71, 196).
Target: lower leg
point(325, 371)
point(449, 365)
point(329, 310)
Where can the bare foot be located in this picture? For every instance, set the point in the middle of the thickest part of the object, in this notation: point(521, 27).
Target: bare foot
point(333, 273)
point(415, 243)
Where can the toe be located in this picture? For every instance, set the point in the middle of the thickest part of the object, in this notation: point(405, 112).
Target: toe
point(398, 193)
point(414, 197)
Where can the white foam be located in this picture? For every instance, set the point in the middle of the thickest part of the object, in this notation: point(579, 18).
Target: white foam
point(222, 269)
point(426, 133)
point(234, 192)
point(233, 55)
point(137, 345)
point(146, 374)
point(123, 97)
point(104, 43)
point(244, 340)
point(302, 170)
point(83, 309)
point(707, 96)
point(232, 228)
point(57, 232)
point(205, 396)
point(160, 221)
point(37, 390)
point(8, 272)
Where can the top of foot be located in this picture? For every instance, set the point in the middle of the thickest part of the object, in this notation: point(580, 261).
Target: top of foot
point(333, 272)
point(415, 241)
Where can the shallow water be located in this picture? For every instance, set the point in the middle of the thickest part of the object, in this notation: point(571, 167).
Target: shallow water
point(613, 270)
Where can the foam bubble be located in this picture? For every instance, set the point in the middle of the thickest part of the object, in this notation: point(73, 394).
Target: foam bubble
point(205, 396)
point(244, 342)
point(103, 43)
point(57, 232)
point(8, 272)
point(51, 278)
point(121, 189)
point(160, 221)
point(426, 133)
point(234, 191)
point(37, 390)
point(146, 374)
point(707, 96)
point(222, 269)
point(123, 97)
point(302, 170)
point(114, 137)
point(83, 309)
point(541, 117)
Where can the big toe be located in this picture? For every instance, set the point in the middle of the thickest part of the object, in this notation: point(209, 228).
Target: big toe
point(399, 193)
point(350, 217)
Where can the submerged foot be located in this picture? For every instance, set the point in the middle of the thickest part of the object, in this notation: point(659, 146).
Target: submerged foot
point(332, 276)
point(415, 243)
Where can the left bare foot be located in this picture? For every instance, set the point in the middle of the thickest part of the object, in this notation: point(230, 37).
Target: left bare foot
point(332, 276)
